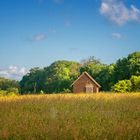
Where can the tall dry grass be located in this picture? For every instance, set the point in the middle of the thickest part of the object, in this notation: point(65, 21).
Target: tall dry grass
point(69, 116)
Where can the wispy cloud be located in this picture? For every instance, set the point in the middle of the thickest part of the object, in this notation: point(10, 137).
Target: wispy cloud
point(39, 37)
point(13, 72)
point(117, 12)
point(116, 35)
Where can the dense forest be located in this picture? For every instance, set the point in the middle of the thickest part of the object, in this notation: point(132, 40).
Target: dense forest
point(121, 76)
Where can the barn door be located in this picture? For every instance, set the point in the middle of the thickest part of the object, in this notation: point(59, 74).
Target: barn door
point(89, 89)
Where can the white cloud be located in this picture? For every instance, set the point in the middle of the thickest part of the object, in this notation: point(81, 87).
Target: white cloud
point(116, 35)
point(13, 72)
point(39, 37)
point(117, 12)
point(23, 71)
point(13, 69)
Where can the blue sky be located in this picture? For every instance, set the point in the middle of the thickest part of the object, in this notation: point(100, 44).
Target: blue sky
point(39, 32)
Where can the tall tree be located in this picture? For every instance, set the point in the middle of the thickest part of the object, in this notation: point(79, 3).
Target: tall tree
point(60, 75)
point(32, 82)
point(105, 77)
point(91, 65)
point(134, 63)
point(126, 67)
point(55, 78)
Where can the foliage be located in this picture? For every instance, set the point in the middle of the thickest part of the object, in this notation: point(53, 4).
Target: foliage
point(9, 85)
point(105, 77)
point(134, 63)
point(109, 75)
point(55, 78)
point(121, 70)
point(122, 86)
point(59, 76)
point(14, 90)
point(135, 80)
point(3, 92)
point(32, 82)
point(92, 66)
point(69, 117)
point(8, 93)
point(132, 85)
point(126, 67)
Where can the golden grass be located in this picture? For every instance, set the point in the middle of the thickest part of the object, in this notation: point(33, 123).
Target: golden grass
point(69, 116)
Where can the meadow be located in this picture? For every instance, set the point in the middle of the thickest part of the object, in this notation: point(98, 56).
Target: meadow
point(103, 116)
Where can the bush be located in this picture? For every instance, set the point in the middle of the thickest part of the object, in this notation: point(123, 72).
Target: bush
point(67, 91)
point(15, 90)
point(3, 92)
point(122, 86)
point(8, 93)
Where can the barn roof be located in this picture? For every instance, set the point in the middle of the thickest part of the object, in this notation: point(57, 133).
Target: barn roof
point(85, 73)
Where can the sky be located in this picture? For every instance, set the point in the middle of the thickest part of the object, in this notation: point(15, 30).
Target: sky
point(35, 33)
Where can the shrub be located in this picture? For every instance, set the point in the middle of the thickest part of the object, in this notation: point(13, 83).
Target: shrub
point(122, 86)
point(15, 90)
point(8, 93)
point(3, 92)
point(67, 91)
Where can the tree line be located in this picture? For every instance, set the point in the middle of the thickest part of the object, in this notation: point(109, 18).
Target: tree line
point(121, 76)
point(8, 86)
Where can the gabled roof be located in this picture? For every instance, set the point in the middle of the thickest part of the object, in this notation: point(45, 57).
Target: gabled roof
point(85, 73)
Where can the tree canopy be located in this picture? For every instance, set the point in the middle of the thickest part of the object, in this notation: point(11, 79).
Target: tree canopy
point(52, 79)
point(7, 84)
point(121, 76)
point(59, 76)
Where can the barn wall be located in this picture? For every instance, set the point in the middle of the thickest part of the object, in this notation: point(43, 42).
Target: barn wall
point(79, 86)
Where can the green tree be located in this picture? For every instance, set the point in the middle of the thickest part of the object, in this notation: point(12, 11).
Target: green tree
point(134, 63)
point(55, 78)
point(6, 84)
point(105, 77)
point(92, 65)
point(126, 67)
point(135, 80)
point(14, 90)
point(60, 75)
point(121, 70)
point(32, 82)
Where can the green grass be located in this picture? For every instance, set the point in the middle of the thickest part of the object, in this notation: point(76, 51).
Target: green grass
point(70, 117)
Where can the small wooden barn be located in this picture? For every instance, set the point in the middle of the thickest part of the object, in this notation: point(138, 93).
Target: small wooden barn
point(85, 84)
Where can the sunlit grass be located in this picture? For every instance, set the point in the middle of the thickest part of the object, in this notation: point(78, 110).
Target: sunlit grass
point(70, 116)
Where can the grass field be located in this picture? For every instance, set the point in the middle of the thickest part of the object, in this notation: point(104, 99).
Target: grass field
point(70, 117)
